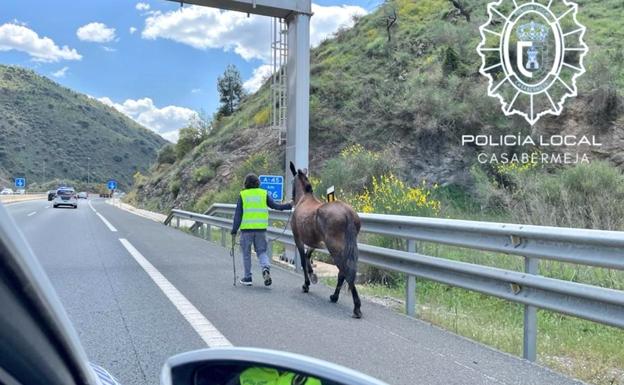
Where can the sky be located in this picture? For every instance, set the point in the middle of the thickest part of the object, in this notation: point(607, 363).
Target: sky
point(153, 60)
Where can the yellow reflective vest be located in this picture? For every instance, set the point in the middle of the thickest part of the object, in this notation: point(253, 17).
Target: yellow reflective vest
point(270, 376)
point(255, 209)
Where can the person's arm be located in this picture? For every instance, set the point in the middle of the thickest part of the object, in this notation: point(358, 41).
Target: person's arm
point(238, 216)
point(277, 206)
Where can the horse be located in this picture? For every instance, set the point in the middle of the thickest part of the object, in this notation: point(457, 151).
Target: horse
point(331, 225)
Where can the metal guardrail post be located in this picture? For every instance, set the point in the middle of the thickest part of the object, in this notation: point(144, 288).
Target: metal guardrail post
point(529, 346)
point(223, 237)
point(410, 285)
point(178, 222)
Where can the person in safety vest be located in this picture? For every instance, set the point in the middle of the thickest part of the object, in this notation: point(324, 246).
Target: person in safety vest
point(252, 217)
point(270, 376)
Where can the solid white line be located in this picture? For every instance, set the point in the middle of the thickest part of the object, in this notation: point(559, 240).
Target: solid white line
point(107, 223)
point(47, 207)
point(92, 208)
point(206, 330)
point(31, 214)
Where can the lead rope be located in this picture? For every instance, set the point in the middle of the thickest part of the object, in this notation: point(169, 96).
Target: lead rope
point(285, 228)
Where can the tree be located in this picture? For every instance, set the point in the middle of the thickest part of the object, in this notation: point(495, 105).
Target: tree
point(230, 89)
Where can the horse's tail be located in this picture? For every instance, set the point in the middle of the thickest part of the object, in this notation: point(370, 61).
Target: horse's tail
point(350, 252)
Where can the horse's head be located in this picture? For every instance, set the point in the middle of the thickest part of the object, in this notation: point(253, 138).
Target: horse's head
point(301, 184)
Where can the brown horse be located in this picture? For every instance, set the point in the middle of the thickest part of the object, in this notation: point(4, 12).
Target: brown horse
point(333, 225)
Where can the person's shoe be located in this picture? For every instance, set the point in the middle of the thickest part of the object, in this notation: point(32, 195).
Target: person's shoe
point(267, 277)
point(245, 281)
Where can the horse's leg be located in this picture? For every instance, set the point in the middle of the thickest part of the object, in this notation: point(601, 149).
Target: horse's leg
point(334, 297)
point(302, 254)
point(357, 313)
point(313, 277)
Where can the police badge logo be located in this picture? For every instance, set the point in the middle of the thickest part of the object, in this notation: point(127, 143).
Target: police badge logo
point(532, 53)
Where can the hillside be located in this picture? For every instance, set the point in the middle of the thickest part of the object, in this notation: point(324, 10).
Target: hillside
point(47, 132)
point(419, 91)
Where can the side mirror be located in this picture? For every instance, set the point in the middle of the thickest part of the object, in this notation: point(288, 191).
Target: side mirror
point(250, 366)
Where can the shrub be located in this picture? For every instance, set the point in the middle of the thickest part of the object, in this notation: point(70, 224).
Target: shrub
point(203, 174)
point(584, 196)
point(390, 195)
point(167, 155)
point(354, 169)
point(174, 187)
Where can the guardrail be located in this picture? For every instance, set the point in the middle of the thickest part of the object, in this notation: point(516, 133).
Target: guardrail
point(21, 197)
point(584, 247)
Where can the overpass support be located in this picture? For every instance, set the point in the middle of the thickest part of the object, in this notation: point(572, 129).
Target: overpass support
point(298, 91)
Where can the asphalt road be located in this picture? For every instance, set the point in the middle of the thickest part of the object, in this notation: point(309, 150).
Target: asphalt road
point(129, 325)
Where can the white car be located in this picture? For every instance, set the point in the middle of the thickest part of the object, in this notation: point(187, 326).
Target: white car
point(65, 196)
point(6, 191)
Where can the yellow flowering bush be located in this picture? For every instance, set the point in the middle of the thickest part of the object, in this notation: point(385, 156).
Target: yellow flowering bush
point(390, 195)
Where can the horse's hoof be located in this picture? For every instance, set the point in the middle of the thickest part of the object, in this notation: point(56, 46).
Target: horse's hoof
point(333, 298)
point(313, 278)
point(357, 314)
point(305, 288)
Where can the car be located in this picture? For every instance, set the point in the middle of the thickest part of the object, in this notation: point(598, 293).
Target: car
point(51, 195)
point(20, 191)
point(45, 348)
point(65, 196)
point(6, 191)
point(83, 195)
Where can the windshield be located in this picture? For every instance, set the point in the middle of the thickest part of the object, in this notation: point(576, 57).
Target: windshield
point(65, 193)
point(356, 181)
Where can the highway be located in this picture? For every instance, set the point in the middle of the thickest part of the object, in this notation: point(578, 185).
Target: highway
point(138, 291)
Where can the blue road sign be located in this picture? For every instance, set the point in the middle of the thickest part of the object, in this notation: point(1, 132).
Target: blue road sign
point(20, 182)
point(112, 184)
point(274, 184)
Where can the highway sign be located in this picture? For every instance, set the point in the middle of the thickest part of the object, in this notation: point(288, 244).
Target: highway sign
point(20, 182)
point(112, 184)
point(274, 184)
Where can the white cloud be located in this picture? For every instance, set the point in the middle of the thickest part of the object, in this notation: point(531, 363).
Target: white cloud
point(60, 73)
point(165, 120)
point(171, 136)
point(258, 77)
point(196, 90)
point(142, 6)
point(96, 33)
point(132, 30)
point(205, 28)
point(327, 20)
point(109, 49)
point(21, 38)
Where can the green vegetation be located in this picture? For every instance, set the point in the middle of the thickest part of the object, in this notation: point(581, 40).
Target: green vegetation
point(49, 132)
point(230, 87)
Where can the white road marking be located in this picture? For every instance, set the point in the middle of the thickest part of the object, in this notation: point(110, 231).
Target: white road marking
point(106, 222)
point(92, 208)
point(206, 330)
point(47, 207)
point(31, 214)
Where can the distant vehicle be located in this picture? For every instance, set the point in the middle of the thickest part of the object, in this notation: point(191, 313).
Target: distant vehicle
point(65, 197)
point(83, 195)
point(51, 195)
point(6, 191)
point(21, 191)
